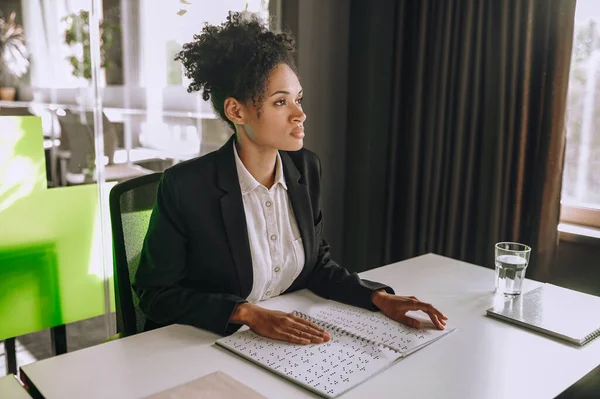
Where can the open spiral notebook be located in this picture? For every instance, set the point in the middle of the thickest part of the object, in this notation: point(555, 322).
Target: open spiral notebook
point(362, 344)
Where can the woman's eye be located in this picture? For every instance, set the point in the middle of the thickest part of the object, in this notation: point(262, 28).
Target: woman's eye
point(282, 102)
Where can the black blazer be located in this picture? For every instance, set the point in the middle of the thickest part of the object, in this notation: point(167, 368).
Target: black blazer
point(196, 265)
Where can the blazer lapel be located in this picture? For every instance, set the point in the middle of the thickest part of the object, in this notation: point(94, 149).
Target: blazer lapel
point(234, 218)
point(300, 200)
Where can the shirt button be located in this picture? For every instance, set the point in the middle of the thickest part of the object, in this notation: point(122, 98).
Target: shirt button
point(277, 269)
point(273, 237)
point(268, 293)
point(268, 204)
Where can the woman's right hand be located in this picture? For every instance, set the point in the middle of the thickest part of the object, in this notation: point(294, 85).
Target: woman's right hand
point(279, 325)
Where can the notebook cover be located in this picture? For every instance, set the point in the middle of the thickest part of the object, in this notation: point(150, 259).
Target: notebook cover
point(559, 312)
point(217, 385)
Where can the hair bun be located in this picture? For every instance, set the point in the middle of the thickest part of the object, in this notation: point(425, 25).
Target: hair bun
point(234, 59)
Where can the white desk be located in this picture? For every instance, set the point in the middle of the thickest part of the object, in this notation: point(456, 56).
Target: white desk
point(484, 358)
point(10, 388)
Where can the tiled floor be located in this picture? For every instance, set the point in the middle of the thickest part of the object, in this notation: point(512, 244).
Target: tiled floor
point(37, 346)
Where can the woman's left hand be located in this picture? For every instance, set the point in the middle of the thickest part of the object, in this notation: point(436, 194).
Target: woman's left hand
point(395, 307)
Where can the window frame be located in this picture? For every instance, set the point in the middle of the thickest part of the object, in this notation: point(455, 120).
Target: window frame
point(581, 216)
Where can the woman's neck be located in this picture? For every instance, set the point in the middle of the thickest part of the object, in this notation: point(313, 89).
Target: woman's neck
point(259, 161)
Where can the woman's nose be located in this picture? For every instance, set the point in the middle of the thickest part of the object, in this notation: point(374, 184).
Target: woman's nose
point(299, 116)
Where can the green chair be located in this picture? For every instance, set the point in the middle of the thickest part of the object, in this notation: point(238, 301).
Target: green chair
point(131, 204)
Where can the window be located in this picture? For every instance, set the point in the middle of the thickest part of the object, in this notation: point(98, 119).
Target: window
point(179, 22)
point(581, 178)
point(46, 25)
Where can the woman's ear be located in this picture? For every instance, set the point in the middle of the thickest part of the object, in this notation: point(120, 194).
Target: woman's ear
point(234, 111)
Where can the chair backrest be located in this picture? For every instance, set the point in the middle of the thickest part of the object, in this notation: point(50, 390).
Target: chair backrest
point(77, 136)
point(131, 205)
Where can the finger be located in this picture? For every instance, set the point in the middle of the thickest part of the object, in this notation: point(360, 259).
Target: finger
point(305, 325)
point(440, 315)
point(409, 321)
point(309, 328)
point(308, 323)
point(292, 338)
point(427, 308)
point(317, 339)
point(431, 310)
point(318, 333)
point(436, 321)
point(438, 312)
point(439, 323)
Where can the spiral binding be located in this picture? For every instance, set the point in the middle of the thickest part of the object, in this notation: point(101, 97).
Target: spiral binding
point(333, 327)
point(591, 336)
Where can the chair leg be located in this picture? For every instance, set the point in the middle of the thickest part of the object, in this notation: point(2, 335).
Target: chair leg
point(10, 352)
point(59, 339)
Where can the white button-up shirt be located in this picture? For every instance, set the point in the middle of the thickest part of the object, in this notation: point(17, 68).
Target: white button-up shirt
point(275, 243)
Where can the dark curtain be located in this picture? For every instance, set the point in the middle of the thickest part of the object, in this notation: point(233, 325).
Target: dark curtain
point(456, 136)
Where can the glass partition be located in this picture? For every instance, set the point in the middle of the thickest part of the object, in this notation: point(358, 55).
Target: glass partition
point(93, 97)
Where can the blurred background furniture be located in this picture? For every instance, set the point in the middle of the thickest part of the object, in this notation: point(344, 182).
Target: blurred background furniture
point(77, 150)
point(15, 111)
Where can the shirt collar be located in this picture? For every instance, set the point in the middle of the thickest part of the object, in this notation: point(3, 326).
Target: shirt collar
point(247, 182)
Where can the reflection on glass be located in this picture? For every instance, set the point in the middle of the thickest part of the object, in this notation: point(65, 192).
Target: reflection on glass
point(21, 166)
point(149, 120)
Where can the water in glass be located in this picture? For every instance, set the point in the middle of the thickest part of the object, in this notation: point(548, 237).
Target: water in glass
point(510, 272)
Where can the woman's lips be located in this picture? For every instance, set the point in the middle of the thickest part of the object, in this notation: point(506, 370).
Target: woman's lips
point(298, 133)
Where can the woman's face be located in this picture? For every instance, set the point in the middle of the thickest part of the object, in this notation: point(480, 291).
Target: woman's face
point(280, 124)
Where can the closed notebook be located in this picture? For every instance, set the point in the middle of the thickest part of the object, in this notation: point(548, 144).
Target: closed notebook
point(217, 385)
point(362, 344)
point(559, 312)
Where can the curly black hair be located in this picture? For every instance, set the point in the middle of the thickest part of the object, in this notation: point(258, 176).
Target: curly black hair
point(235, 60)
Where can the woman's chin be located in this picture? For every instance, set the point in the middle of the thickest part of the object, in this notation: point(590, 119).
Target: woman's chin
point(294, 145)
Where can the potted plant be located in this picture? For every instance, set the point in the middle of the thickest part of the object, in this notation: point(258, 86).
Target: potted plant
point(78, 33)
point(14, 57)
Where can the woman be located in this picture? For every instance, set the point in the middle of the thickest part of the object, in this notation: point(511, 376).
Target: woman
point(244, 224)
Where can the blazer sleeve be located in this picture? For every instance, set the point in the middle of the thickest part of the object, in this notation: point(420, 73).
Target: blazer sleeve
point(162, 268)
point(332, 281)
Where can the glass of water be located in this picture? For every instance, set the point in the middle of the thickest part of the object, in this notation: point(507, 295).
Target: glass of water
point(511, 262)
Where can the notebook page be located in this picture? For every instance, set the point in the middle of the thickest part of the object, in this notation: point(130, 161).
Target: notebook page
point(376, 326)
point(328, 369)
